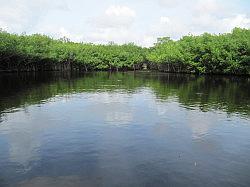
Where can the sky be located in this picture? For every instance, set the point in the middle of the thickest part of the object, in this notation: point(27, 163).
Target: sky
point(123, 21)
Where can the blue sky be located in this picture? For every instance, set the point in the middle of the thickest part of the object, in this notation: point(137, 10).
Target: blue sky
point(122, 21)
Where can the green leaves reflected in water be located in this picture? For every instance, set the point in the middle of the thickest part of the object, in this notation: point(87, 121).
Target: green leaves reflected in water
point(230, 94)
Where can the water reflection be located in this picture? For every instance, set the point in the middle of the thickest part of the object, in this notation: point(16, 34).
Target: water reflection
point(62, 181)
point(206, 93)
point(114, 108)
point(124, 129)
point(23, 130)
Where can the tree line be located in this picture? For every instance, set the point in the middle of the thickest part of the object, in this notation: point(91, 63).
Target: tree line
point(208, 53)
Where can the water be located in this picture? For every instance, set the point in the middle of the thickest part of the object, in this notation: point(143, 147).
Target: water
point(124, 129)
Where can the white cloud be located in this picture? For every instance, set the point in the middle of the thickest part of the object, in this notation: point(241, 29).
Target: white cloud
point(118, 35)
point(140, 22)
point(165, 20)
point(120, 11)
point(167, 26)
point(148, 41)
point(170, 3)
point(210, 23)
point(216, 16)
point(208, 7)
point(3, 25)
point(60, 32)
point(115, 17)
point(113, 25)
point(64, 33)
point(21, 15)
point(240, 20)
point(197, 17)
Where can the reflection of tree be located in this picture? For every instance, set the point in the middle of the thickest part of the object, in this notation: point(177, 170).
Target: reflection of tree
point(1, 116)
point(206, 93)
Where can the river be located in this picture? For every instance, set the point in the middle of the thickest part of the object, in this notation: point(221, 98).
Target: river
point(124, 129)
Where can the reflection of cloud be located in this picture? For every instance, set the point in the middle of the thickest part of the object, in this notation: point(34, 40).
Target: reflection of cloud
point(161, 109)
point(23, 132)
point(161, 129)
point(62, 181)
point(106, 97)
point(118, 118)
point(112, 108)
point(22, 147)
point(199, 128)
point(200, 124)
point(21, 137)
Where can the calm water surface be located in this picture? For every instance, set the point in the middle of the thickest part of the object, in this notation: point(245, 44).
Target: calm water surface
point(124, 129)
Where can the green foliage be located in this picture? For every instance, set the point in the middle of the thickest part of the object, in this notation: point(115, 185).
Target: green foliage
point(21, 51)
point(225, 53)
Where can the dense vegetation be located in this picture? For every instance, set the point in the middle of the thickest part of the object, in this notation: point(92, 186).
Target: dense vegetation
point(225, 53)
